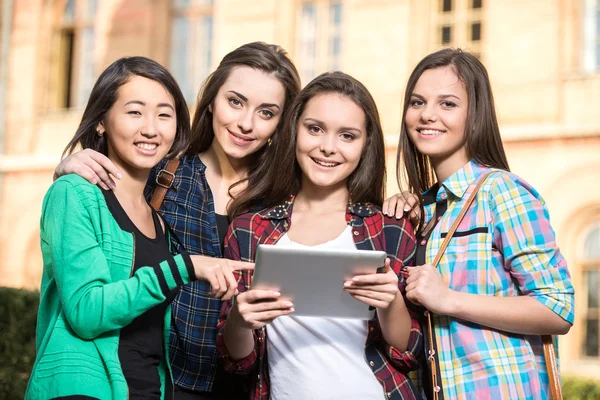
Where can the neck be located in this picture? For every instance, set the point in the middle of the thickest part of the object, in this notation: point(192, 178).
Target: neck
point(445, 167)
point(228, 168)
point(130, 188)
point(322, 200)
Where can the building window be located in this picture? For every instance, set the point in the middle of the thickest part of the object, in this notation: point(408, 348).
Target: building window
point(191, 44)
point(73, 67)
point(591, 277)
point(591, 36)
point(319, 37)
point(459, 24)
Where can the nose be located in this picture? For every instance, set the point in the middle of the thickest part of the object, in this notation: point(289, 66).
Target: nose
point(246, 122)
point(328, 144)
point(429, 114)
point(149, 129)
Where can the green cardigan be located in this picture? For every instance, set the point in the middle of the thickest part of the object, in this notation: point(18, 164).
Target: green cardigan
point(88, 294)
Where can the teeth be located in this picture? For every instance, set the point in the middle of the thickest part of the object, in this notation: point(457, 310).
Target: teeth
point(146, 146)
point(326, 164)
point(430, 132)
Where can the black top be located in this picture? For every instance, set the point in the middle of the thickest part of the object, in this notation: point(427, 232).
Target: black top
point(141, 343)
point(222, 226)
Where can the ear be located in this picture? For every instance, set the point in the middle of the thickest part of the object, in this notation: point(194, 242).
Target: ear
point(210, 108)
point(100, 127)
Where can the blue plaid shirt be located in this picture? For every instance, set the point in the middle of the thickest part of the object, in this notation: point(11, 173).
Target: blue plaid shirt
point(189, 209)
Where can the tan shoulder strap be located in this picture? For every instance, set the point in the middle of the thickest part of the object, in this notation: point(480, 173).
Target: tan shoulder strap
point(164, 181)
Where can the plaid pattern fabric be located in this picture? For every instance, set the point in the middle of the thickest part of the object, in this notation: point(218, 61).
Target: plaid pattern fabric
point(371, 231)
point(504, 246)
point(189, 209)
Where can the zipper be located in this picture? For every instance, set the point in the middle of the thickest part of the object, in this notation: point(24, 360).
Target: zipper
point(133, 260)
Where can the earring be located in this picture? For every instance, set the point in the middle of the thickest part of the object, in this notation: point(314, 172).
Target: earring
point(269, 141)
point(99, 133)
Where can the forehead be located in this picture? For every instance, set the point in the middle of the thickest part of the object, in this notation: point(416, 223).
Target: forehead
point(438, 81)
point(336, 110)
point(144, 89)
point(257, 86)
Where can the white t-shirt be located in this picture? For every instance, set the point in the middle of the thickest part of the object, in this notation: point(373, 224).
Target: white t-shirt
point(320, 358)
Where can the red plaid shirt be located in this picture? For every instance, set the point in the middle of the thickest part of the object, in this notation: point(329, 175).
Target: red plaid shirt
point(371, 231)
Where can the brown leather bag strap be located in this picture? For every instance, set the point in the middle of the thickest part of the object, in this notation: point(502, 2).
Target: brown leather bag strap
point(164, 181)
point(553, 376)
point(437, 386)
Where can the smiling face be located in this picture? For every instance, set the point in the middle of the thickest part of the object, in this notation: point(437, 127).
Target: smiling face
point(141, 125)
point(246, 111)
point(331, 137)
point(436, 118)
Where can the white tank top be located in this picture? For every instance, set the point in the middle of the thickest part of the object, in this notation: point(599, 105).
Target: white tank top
point(313, 358)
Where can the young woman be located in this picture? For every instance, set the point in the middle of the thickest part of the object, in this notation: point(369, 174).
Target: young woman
point(330, 158)
point(239, 113)
point(502, 281)
point(110, 271)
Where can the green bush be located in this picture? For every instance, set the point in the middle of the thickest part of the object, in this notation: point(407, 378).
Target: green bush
point(580, 389)
point(18, 314)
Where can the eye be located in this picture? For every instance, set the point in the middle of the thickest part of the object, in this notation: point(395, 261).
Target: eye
point(235, 102)
point(416, 102)
point(164, 115)
point(348, 137)
point(314, 129)
point(267, 114)
point(134, 112)
point(448, 104)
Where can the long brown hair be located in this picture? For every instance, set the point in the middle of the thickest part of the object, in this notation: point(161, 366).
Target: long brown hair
point(482, 133)
point(280, 175)
point(105, 93)
point(268, 58)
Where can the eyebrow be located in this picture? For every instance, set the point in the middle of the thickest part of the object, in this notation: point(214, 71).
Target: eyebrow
point(241, 96)
point(441, 96)
point(141, 103)
point(343, 128)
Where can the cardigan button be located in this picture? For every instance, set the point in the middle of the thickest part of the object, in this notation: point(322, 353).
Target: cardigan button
point(371, 363)
point(356, 233)
point(389, 394)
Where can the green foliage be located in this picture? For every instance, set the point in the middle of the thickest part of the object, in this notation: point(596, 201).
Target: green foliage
point(580, 389)
point(18, 314)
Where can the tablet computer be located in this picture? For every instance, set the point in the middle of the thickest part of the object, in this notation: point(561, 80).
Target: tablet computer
point(314, 279)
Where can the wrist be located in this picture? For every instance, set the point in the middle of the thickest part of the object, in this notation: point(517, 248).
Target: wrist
point(451, 304)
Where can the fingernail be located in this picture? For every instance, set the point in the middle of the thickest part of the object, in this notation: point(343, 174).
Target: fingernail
point(113, 186)
point(406, 208)
point(276, 294)
point(398, 216)
point(292, 309)
point(384, 211)
point(347, 283)
point(118, 175)
point(289, 304)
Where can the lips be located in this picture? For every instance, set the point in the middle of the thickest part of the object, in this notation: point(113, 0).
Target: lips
point(146, 146)
point(325, 163)
point(430, 132)
point(239, 139)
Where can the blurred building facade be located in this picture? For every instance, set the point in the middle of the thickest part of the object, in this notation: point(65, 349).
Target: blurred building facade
point(543, 58)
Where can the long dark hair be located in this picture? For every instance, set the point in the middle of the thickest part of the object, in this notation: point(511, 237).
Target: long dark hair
point(268, 58)
point(105, 93)
point(482, 134)
point(280, 175)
